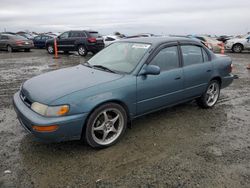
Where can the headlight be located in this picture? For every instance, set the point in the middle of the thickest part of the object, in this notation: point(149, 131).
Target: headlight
point(45, 110)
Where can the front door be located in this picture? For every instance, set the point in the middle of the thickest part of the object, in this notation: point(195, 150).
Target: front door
point(64, 42)
point(156, 91)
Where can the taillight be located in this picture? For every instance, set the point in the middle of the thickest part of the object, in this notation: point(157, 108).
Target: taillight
point(92, 40)
point(231, 68)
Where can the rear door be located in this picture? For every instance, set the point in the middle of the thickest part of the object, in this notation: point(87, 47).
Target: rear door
point(74, 38)
point(197, 69)
point(156, 91)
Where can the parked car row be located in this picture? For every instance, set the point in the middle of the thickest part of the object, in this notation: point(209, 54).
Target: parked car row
point(91, 41)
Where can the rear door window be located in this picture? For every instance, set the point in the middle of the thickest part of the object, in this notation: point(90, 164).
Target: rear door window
point(191, 55)
point(75, 34)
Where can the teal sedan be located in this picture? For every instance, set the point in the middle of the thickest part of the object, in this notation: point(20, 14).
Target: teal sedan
point(96, 101)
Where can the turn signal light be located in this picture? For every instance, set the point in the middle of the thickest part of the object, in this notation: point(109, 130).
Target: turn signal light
point(63, 110)
point(49, 128)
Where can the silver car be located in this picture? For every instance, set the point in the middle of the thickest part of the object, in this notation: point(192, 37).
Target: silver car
point(238, 44)
point(11, 42)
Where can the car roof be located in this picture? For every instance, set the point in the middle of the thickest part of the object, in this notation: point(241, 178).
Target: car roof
point(159, 40)
point(83, 31)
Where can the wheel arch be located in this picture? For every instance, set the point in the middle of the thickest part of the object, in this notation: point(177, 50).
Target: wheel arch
point(238, 43)
point(217, 78)
point(117, 101)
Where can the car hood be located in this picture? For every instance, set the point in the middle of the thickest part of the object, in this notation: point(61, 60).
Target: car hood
point(50, 86)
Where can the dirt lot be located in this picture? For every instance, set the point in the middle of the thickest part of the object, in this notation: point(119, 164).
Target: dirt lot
point(184, 146)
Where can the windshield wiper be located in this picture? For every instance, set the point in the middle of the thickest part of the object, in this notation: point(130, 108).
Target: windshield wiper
point(87, 64)
point(103, 68)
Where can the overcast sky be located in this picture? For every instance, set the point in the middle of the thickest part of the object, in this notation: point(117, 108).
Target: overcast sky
point(128, 16)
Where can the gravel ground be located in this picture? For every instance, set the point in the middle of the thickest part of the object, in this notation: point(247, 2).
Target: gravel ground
point(184, 146)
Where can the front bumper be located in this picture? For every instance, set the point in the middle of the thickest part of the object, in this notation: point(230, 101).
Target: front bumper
point(70, 127)
point(228, 46)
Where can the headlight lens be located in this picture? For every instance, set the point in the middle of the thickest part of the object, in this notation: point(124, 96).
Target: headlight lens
point(45, 110)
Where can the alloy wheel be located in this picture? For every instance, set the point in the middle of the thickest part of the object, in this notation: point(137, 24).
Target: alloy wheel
point(107, 126)
point(212, 94)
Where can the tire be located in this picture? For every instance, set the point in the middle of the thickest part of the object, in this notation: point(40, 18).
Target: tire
point(106, 125)
point(82, 51)
point(27, 50)
point(9, 49)
point(211, 96)
point(50, 49)
point(237, 48)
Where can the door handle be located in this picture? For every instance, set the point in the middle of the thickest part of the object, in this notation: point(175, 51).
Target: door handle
point(209, 70)
point(178, 78)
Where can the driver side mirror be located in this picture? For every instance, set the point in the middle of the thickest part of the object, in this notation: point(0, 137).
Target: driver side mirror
point(150, 70)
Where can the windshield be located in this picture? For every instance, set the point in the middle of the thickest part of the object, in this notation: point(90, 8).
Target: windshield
point(121, 56)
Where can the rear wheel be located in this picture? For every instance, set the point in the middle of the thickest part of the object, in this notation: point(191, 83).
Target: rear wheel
point(211, 96)
point(9, 49)
point(50, 49)
point(106, 125)
point(237, 48)
point(82, 51)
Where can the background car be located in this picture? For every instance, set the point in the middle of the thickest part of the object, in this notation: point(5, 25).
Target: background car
point(82, 41)
point(26, 35)
point(210, 42)
point(224, 38)
point(109, 39)
point(238, 44)
point(40, 40)
point(15, 42)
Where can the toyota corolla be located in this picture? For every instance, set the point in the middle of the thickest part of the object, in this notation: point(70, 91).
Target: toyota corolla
point(130, 78)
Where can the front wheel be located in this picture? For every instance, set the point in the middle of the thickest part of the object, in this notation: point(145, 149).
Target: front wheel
point(82, 51)
point(211, 96)
point(106, 125)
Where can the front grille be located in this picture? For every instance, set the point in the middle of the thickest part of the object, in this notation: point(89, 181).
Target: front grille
point(25, 99)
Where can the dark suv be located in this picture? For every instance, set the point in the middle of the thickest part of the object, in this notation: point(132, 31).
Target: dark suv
point(80, 41)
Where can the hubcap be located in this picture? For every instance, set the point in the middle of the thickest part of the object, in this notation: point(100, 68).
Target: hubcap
point(81, 51)
point(212, 94)
point(9, 49)
point(107, 126)
point(50, 49)
point(237, 48)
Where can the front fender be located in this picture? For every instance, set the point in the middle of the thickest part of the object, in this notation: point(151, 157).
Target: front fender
point(84, 101)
